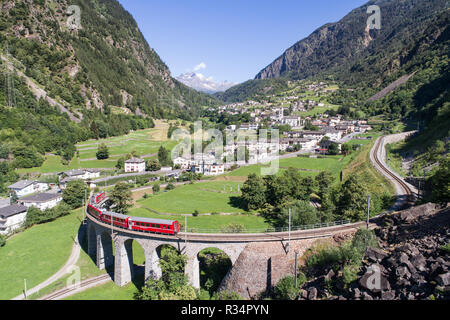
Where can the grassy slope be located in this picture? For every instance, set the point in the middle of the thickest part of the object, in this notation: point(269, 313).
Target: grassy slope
point(36, 254)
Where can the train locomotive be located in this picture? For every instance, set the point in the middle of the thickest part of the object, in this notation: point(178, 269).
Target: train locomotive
point(160, 226)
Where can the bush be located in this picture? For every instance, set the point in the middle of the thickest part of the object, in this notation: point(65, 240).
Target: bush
point(285, 289)
point(170, 186)
point(195, 213)
point(2, 240)
point(156, 188)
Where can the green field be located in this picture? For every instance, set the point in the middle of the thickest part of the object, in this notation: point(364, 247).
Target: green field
point(206, 197)
point(141, 141)
point(36, 254)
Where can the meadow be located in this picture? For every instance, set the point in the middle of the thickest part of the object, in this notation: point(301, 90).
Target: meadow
point(36, 254)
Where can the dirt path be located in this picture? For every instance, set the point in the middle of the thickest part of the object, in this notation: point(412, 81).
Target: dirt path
point(74, 256)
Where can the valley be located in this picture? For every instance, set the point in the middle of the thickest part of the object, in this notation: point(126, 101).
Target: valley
point(146, 186)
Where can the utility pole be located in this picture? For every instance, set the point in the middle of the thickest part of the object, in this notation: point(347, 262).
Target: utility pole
point(185, 231)
point(25, 291)
point(295, 267)
point(368, 211)
point(289, 243)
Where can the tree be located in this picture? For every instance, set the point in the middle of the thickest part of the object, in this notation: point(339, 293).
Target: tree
point(173, 285)
point(103, 152)
point(323, 181)
point(156, 188)
point(302, 213)
point(440, 183)
point(163, 156)
point(74, 193)
point(333, 149)
point(345, 149)
point(153, 165)
point(120, 163)
point(352, 199)
point(254, 192)
point(122, 198)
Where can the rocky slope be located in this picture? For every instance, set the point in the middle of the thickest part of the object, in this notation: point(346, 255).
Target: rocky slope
point(412, 262)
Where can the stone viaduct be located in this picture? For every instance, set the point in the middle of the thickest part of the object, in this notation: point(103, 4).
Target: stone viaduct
point(102, 238)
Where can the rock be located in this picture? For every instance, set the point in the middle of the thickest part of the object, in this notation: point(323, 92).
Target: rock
point(357, 293)
point(304, 294)
point(366, 296)
point(312, 293)
point(443, 279)
point(415, 212)
point(373, 280)
point(375, 255)
point(387, 295)
point(403, 272)
point(330, 275)
point(419, 262)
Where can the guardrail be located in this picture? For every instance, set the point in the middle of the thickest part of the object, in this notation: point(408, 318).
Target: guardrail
point(267, 230)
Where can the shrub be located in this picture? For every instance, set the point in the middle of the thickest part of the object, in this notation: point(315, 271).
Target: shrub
point(170, 186)
point(2, 240)
point(285, 289)
point(196, 213)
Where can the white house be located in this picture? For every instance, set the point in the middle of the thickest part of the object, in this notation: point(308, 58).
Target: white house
point(294, 122)
point(85, 174)
point(25, 187)
point(135, 165)
point(12, 217)
point(41, 200)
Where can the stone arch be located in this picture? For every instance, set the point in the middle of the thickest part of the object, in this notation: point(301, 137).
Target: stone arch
point(219, 264)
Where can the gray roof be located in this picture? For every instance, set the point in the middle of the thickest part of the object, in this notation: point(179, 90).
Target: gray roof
point(135, 160)
point(72, 173)
point(12, 210)
point(41, 197)
point(21, 184)
point(5, 202)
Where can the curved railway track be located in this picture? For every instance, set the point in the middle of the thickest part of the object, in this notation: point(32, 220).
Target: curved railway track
point(255, 237)
point(407, 191)
point(274, 236)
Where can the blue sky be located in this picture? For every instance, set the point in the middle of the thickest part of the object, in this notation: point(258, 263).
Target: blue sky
point(230, 39)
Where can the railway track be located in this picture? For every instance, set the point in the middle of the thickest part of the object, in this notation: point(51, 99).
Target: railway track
point(68, 291)
point(274, 236)
point(407, 193)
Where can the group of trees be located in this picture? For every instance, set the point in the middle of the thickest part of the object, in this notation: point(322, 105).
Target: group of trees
point(274, 196)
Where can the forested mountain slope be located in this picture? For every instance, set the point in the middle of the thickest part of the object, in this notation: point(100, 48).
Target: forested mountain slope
point(62, 82)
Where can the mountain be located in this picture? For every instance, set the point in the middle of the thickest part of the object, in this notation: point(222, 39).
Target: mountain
point(65, 81)
point(103, 61)
point(337, 48)
point(201, 83)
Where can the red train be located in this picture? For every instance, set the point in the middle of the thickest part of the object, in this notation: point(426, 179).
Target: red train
point(161, 226)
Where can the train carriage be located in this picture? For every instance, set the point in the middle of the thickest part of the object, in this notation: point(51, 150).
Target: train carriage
point(154, 225)
point(116, 219)
point(94, 212)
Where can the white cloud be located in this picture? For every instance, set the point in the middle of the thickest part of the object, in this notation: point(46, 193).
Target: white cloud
point(200, 66)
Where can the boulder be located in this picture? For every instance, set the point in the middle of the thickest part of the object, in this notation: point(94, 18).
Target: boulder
point(375, 255)
point(312, 293)
point(387, 295)
point(374, 280)
point(443, 279)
